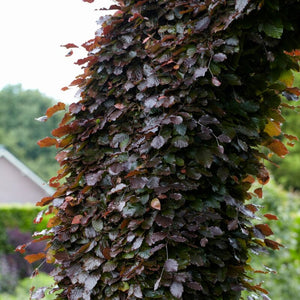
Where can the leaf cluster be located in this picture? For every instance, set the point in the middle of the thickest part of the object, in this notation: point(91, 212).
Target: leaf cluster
point(178, 100)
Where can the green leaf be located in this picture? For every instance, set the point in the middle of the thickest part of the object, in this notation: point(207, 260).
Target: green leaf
point(273, 29)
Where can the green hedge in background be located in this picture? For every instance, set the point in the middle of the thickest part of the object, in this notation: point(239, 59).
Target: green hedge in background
point(21, 217)
point(284, 283)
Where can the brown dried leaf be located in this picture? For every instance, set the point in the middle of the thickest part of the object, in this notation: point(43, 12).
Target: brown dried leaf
point(155, 203)
point(31, 258)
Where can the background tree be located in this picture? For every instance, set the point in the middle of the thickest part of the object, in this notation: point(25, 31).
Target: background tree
point(20, 131)
point(160, 153)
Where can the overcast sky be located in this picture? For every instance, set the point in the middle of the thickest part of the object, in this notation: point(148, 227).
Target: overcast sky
point(31, 33)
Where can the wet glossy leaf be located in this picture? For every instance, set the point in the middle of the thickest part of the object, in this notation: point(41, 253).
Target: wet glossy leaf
point(109, 266)
point(176, 289)
point(240, 5)
point(137, 243)
point(158, 142)
point(215, 81)
point(171, 265)
point(202, 24)
point(117, 188)
point(92, 263)
point(200, 72)
point(219, 57)
point(136, 291)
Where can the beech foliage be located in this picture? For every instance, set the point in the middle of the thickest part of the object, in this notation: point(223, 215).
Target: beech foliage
point(180, 106)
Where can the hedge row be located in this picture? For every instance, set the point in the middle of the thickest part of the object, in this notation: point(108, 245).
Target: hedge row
point(20, 217)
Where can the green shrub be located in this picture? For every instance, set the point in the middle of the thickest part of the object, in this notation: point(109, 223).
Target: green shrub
point(285, 283)
point(21, 217)
point(22, 290)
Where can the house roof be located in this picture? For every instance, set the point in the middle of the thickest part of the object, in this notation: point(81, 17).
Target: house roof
point(25, 170)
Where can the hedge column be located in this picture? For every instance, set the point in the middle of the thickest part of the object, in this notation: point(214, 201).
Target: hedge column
point(180, 104)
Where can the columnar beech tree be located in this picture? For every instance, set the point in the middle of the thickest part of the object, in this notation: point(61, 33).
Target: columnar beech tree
point(180, 105)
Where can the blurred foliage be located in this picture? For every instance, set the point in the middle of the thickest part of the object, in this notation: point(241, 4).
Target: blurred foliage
point(288, 173)
point(23, 289)
point(17, 226)
point(19, 131)
point(21, 217)
point(284, 282)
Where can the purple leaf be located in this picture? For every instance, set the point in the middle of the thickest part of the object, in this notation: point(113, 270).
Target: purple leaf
point(118, 139)
point(207, 119)
point(219, 57)
point(163, 221)
point(136, 290)
point(152, 81)
point(150, 102)
point(109, 266)
point(232, 225)
point(116, 169)
point(138, 183)
point(118, 188)
point(214, 230)
point(93, 178)
point(223, 138)
point(137, 243)
point(176, 196)
point(155, 237)
point(203, 242)
point(92, 263)
point(215, 81)
point(153, 182)
point(195, 286)
point(240, 5)
point(200, 72)
point(115, 115)
point(39, 293)
point(176, 289)
point(171, 265)
point(128, 85)
point(202, 24)
point(158, 142)
point(180, 141)
point(91, 282)
point(178, 238)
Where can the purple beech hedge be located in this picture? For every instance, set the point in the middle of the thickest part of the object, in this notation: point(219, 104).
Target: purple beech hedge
point(180, 106)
